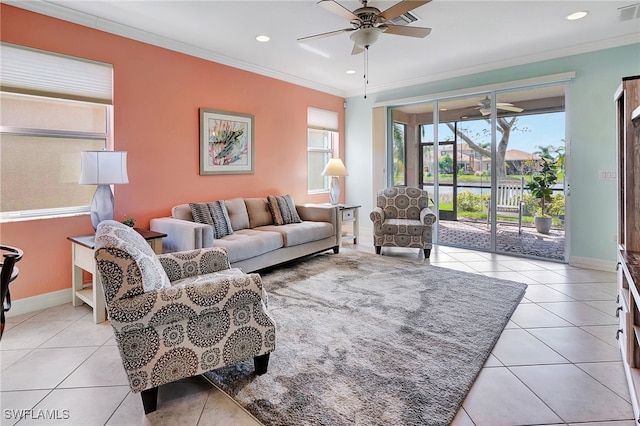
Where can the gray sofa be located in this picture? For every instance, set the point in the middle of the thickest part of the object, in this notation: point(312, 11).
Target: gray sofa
point(256, 242)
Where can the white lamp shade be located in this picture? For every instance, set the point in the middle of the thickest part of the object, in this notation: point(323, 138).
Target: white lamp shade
point(335, 167)
point(103, 167)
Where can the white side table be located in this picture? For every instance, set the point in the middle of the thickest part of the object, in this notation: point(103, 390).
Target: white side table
point(349, 213)
point(82, 248)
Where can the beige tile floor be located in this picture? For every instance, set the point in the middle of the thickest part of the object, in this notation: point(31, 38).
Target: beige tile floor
point(556, 363)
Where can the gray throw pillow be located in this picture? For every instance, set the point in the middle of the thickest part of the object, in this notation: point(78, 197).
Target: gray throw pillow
point(214, 214)
point(283, 210)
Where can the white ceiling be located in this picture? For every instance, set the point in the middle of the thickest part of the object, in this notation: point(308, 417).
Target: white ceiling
point(468, 36)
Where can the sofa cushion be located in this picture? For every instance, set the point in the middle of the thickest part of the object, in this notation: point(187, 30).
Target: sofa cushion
point(248, 243)
point(283, 209)
point(300, 233)
point(214, 214)
point(258, 210)
point(237, 210)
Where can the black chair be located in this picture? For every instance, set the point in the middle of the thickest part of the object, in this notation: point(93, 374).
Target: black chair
point(10, 255)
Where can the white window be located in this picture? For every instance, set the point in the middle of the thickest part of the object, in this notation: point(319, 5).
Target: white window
point(322, 144)
point(53, 107)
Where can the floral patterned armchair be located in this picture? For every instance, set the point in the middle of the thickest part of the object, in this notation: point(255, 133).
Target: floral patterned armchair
point(180, 314)
point(402, 219)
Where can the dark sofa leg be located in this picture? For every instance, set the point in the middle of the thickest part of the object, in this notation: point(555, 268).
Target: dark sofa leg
point(336, 249)
point(427, 253)
point(378, 249)
point(149, 399)
point(260, 363)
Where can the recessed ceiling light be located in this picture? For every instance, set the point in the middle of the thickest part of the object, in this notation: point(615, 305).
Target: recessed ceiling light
point(577, 15)
point(350, 71)
point(263, 38)
point(443, 109)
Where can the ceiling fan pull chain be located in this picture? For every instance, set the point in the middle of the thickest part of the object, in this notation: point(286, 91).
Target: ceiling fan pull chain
point(366, 70)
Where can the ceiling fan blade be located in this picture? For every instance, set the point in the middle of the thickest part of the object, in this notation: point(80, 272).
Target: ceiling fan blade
point(510, 108)
point(400, 8)
point(357, 49)
point(419, 32)
point(322, 35)
point(338, 9)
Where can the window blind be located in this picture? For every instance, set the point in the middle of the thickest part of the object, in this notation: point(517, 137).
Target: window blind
point(37, 72)
point(322, 119)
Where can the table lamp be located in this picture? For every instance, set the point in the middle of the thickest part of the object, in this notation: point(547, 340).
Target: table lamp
point(103, 168)
point(335, 168)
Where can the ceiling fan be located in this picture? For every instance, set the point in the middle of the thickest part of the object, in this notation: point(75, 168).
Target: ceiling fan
point(484, 106)
point(367, 23)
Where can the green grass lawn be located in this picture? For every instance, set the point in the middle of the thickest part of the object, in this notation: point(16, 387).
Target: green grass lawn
point(482, 216)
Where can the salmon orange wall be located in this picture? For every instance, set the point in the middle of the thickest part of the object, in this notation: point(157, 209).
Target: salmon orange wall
point(157, 94)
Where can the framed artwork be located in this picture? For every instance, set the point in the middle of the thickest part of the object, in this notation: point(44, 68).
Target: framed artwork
point(226, 142)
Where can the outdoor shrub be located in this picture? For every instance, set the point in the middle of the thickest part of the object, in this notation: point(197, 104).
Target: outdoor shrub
point(557, 204)
point(470, 202)
point(530, 204)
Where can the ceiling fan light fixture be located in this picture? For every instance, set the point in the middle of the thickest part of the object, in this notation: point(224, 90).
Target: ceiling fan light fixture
point(365, 37)
point(577, 15)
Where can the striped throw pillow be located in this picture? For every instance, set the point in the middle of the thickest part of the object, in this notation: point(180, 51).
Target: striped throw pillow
point(214, 214)
point(283, 210)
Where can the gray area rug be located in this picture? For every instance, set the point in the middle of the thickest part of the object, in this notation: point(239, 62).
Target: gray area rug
point(364, 339)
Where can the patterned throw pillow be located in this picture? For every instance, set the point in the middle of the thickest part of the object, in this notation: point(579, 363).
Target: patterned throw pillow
point(214, 214)
point(283, 210)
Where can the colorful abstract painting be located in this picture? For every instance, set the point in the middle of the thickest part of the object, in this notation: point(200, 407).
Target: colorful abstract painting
point(226, 142)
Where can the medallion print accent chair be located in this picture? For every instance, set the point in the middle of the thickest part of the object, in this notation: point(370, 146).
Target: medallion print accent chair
point(180, 314)
point(402, 219)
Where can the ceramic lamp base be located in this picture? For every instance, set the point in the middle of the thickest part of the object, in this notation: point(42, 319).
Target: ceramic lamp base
point(334, 190)
point(101, 205)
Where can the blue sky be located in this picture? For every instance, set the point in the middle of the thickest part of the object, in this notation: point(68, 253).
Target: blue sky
point(541, 130)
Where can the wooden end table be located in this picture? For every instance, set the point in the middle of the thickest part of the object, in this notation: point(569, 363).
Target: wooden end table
point(82, 249)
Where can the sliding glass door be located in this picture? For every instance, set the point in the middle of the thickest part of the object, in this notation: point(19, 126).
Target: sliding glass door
point(531, 133)
point(476, 156)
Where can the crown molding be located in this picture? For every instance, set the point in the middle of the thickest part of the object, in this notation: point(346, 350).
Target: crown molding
point(95, 22)
point(61, 12)
point(506, 63)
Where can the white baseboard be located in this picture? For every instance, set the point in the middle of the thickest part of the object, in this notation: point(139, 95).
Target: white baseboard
point(39, 302)
point(597, 264)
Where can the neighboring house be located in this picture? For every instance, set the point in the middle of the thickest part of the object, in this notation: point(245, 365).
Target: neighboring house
point(520, 162)
point(471, 161)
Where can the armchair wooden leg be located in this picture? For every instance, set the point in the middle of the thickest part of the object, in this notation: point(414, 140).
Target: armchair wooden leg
point(378, 249)
point(427, 253)
point(336, 249)
point(149, 399)
point(260, 363)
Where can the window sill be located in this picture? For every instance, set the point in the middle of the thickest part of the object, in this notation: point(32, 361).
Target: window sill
point(42, 217)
